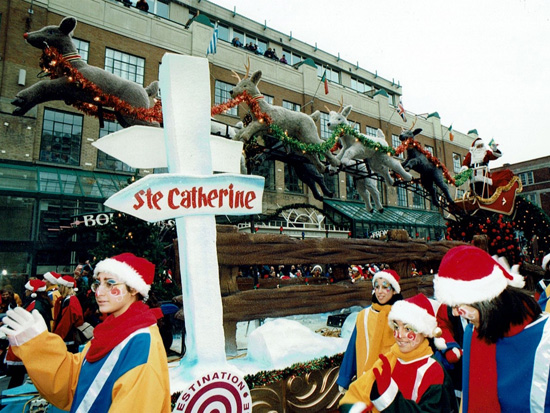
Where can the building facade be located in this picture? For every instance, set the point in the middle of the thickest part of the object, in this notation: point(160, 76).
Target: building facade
point(535, 180)
point(52, 177)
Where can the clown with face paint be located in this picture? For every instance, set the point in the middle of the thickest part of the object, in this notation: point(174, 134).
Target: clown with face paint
point(407, 378)
point(371, 335)
point(122, 369)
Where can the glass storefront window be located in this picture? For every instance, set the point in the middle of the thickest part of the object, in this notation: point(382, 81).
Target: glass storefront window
point(16, 215)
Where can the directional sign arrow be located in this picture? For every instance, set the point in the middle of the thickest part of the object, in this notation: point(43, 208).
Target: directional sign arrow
point(144, 147)
point(167, 196)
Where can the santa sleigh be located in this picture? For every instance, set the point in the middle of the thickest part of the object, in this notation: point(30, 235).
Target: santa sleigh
point(494, 192)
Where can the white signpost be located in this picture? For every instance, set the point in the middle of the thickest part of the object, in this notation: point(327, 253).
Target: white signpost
point(192, 195)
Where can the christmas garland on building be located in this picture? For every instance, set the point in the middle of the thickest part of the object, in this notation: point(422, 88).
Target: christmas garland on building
point(411, 143)
point(282, 135)
point(56, 65)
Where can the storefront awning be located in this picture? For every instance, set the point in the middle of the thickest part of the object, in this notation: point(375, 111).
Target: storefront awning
point(361, 221)
point(60, 181)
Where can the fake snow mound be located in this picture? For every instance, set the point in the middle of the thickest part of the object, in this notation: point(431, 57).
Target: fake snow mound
point(282, 342)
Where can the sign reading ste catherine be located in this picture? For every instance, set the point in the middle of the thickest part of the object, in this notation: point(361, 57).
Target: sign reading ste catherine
point(166, 196)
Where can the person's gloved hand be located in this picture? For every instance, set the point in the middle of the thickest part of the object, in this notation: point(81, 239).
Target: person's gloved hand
point(453, 355)
point(361, 407)
point(383, 378)
point(341, 389)
point(21, 326)
point(463, 168)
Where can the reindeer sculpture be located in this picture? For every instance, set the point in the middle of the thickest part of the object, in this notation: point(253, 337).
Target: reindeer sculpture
point(61, 88)
point(379, 161)
point(430, 174)
point(297, 124)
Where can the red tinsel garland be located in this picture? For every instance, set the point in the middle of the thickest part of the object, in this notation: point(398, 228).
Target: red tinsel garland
point(56, 66)
point(252, 103)
point(412, 143)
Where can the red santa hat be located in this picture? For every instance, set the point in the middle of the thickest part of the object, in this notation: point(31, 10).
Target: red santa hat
point(67, 281)
point(468, 275)
point(137, 273)
point(476, 140)
point(390, 276)
point(35, 286)
point(52, 277)
point(419, 313)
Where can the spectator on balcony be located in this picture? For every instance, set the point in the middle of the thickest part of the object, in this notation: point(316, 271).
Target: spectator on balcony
point(283, 60)
point(142, 5)
point(236, 42)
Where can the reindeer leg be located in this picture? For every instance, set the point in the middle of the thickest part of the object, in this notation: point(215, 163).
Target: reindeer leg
point(375, 195)
point(43, 91)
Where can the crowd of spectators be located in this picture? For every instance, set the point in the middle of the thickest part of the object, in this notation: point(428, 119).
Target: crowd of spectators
point(254, 48)
point(354, 272)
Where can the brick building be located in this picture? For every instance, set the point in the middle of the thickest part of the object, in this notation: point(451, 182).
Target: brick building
point(535, 179)
point(52, 175)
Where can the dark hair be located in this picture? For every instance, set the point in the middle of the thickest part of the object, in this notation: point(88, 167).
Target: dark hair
point(497, 316)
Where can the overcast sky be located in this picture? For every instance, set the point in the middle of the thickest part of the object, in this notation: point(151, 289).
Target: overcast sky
point(481, 64)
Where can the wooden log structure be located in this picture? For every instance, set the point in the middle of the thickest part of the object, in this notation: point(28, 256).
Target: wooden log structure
point(294, 297)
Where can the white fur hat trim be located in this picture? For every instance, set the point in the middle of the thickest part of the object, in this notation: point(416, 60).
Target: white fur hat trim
point(124, 273)
point(415, 316)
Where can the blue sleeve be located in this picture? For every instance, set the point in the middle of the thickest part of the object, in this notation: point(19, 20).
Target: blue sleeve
point(543, 300)
point(348, 368)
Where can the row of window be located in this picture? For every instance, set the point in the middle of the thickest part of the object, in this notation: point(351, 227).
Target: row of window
point(228, 33)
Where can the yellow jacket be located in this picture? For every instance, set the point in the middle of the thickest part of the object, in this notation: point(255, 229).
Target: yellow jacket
point(136, 373)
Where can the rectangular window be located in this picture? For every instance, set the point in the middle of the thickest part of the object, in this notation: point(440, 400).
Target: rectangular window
point(268, 99)
point(391, 99)
point(418, 199)
point(325, 131)
point(105, 161)
point(82, 47)
point(61, 137)
point(292, 106)
point(332, 74)
point(351, 192)
point(371, 131)
point(223, 32)
point(429, 148)
point(402, 199)
point(355, 125)
point(360, 86)
point(222, 95)
point(527, 178)
point(125, 65)
point(159, 7)
point(395, 143)
point(333, 184)
point(292, 183)
point(18, 212)
point(267, 170)
point(292, 57)
point(457, 163)
point(532, 197)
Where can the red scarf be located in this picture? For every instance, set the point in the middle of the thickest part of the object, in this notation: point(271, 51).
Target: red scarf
point(114, 330)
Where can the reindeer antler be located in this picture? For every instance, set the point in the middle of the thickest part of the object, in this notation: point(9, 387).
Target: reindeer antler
point(341, 102)
point(235, 74)
point(414, 123)
point(247, 67)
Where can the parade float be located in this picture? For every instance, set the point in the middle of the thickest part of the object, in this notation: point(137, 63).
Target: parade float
point(215, 300)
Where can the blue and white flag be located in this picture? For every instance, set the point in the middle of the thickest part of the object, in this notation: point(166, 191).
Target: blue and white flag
point(212, 48)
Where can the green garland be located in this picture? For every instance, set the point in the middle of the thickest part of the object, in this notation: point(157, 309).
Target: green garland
point(263, 378)
point(463, 177)
point(319, 149)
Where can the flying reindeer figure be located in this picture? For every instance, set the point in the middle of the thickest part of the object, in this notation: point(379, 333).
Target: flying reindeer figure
point(297, 124)
point(62, 88)
point(431, 175)
point(379, 161)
